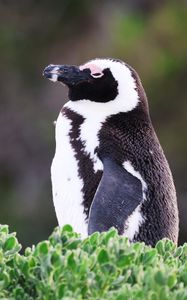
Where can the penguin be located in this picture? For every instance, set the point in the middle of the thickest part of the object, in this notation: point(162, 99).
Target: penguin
point(109, 169)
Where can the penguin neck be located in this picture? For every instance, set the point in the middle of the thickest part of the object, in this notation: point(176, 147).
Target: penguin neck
point(122, 103)
point(101, 111)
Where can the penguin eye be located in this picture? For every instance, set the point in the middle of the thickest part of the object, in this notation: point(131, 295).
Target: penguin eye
point(97, 75)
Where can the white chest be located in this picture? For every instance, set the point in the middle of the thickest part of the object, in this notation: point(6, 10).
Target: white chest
point(67, 184)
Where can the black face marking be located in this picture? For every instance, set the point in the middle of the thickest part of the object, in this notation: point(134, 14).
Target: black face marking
point(85, 164)
point(102, 89)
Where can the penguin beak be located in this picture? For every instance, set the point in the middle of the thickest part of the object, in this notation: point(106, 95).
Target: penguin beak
point(69, 75)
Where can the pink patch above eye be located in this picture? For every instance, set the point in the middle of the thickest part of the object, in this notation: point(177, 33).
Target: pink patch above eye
point(93, 68)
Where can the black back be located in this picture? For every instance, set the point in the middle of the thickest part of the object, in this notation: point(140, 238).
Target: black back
point(131, 137)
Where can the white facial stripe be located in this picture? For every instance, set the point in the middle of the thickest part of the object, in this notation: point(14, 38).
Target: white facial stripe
point(127, 98)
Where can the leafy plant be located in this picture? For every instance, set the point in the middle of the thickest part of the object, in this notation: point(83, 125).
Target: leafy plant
point(103, 266)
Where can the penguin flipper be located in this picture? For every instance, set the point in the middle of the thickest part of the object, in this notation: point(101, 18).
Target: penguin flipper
point(117, 196)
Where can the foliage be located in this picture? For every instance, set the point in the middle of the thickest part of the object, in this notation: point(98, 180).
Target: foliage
point(103, 266)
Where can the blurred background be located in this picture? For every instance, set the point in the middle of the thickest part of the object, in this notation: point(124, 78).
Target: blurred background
point(150, 35)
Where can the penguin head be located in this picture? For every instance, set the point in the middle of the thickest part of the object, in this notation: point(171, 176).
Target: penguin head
point(100, 81)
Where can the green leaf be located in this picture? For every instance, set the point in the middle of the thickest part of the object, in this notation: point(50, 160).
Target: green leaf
point(61, 290)
point(43, 247)
point(160, 246)
point(55, 259)
point(169, 245)
point(138, 247)
point(74, 244)
point(184, 278)
point(67, 228)
point(149, 257)
point(103, 256)
point(94, 238)
point(153, 296)
point(4, 280)
point(118, 282)
point(160, 278)
point(108, 268)
point(71, 262)
point(109, 234)
point(4, 229)
point(178, 251)
point(10, 243)
point(120, 297)
point(172, 280)
point(31, 262)
point(124, 260)
point(28, 251)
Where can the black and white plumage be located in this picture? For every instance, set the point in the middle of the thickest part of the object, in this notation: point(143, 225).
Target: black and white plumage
point(109, 168)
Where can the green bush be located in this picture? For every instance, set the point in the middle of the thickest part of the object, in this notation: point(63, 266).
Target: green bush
point(103, 266)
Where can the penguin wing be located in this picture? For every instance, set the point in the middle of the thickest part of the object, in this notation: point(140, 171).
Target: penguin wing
point(117, 196)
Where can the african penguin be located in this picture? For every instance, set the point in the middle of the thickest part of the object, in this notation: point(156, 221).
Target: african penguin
point(109, 168)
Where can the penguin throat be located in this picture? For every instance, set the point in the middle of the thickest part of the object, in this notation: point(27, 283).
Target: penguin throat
point(103, 110)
